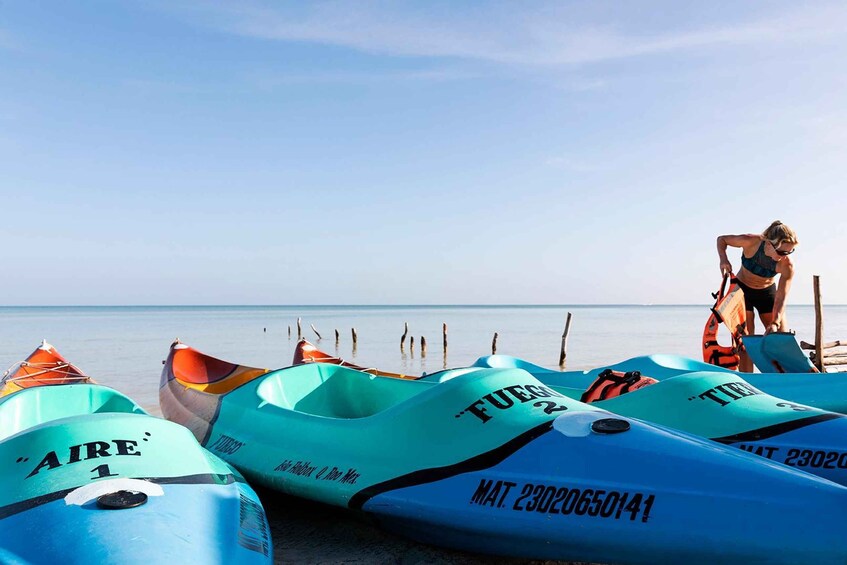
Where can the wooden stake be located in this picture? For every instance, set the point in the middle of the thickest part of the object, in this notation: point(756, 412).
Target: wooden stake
point(423, 346)
point(336, 338)
point(818, 324)
point(355, 337)
point(563, 353)
point(299, 330)
point(444, 331)
point(316, 331)
point(494, 344)
point(412, 346)
point(289, 331)
point(403, 337)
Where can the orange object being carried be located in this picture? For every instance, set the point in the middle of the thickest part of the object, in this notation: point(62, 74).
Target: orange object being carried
point(610, 384)
point(730, 310)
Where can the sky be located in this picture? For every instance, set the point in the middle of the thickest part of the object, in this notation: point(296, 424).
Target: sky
point(430, 152)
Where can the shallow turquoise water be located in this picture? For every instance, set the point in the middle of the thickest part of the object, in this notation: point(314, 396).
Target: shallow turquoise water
point(124, 346)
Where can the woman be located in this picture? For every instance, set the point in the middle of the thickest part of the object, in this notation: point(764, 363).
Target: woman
point(763, 257)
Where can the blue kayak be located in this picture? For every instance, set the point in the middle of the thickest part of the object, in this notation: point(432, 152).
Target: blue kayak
point(89, 477)
point(494, 461)
point(827, 391)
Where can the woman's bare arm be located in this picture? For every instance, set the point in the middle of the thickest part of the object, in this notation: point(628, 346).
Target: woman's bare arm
point(725, 241)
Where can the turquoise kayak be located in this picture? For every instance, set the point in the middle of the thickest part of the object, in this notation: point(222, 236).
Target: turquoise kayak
point(827, 391)
point(723, 407)
point(493, 460)
point(89, 477)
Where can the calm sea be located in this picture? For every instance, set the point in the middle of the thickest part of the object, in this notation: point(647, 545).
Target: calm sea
point(124, 346)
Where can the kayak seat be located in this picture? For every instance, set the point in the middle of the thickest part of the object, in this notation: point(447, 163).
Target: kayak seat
point(333, 391)
point(33, 406)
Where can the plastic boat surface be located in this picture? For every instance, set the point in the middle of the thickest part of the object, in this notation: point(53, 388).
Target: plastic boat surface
point(493, 460)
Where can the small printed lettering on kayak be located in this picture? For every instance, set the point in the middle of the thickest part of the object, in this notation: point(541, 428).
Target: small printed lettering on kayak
point(326, 473)
point(505, 398)
point(85, 452)
point(816, 458)
point(227, 445)
point(552, 499)
point(799, 457)
point(727, 393)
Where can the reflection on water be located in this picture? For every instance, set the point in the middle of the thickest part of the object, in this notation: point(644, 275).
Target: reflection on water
point(124, 347)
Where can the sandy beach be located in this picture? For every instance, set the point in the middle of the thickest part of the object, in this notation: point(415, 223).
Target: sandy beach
point(310, 532)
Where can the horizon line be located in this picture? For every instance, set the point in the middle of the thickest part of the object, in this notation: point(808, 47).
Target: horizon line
point(445, 305)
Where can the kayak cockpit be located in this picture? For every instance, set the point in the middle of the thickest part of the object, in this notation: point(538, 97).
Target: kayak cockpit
point(334, 391)
point(33, 406)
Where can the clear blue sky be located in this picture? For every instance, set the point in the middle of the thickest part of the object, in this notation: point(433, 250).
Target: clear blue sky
point(166, 152)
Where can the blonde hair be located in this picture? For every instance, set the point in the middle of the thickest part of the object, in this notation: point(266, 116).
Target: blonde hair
point(778, 233)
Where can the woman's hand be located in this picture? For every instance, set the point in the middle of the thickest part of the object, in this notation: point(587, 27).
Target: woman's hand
point(726, 268)
point(771, 328)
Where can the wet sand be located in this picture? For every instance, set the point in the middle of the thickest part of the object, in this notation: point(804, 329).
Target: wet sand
point(310, 532)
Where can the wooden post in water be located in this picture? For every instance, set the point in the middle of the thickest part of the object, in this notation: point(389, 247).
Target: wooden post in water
point(403, 337)
point(494, 344)
point(299, 330)
point(316, 332)
point(444, 338)
point(355, 338)
point(563, 353)
point(336, 338)
point(289, 331)
point(423, 346)
point(818, 324)
point(412, 346)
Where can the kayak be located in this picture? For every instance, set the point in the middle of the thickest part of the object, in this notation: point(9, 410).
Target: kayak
point(494, 461)
point(827, 391)
point(716, 405)
point(305, 352)
point(42, 368)
point(89, 477)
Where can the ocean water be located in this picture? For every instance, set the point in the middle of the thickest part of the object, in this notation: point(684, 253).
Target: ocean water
point(123, 346)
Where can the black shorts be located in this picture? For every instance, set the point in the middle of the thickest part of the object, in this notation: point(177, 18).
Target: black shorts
point(761, 299)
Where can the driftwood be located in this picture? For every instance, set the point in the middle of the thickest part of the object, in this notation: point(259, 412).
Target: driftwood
point(828, 362)
point(563, 353)
point(494, 344)
point(828, 345)
point(837, 355)
point(316, 331)
point(403, 337)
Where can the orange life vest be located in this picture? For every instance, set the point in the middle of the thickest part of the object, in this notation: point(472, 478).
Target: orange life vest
point(730, 309)
point(610, 384)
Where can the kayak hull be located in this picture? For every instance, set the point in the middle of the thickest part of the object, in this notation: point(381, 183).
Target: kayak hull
point(89, 477)
point(826, 391)
point(494, 461)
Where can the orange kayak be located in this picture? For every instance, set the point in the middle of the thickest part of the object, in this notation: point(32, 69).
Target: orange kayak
point(305, 352)
point(44, 366)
